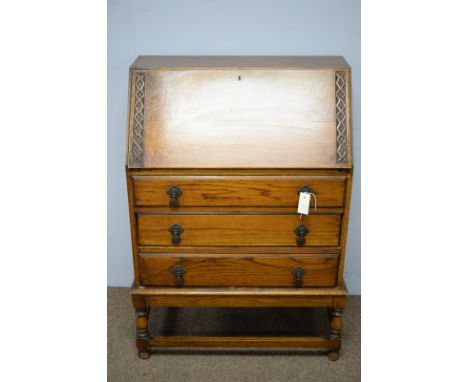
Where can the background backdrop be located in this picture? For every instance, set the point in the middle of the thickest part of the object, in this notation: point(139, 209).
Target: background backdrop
point(221, 27)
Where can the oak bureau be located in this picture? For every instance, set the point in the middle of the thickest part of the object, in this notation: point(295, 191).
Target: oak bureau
point(220, 149)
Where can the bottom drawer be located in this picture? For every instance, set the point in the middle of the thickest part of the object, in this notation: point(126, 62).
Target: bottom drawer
point(238, 270)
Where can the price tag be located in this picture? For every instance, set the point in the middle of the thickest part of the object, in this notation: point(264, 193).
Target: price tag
point(304, 203)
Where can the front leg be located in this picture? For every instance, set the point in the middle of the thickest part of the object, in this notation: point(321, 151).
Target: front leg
point(142, 332)
point(335, 332)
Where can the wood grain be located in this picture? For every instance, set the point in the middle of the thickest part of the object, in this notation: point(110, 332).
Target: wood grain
point(237, 62)
point(238, 171)
point(238, 230)
point(206, 210)
point(212, 191)
point(144, 292)
point(239, 342)
point(225, 270)
point(203, 250)
point(133, 228)
point(239, 119)
point(240, 297)
point(344, 228)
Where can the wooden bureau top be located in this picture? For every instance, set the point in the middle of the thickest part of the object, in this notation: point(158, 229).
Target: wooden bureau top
point(235, 62)
point(239, 112)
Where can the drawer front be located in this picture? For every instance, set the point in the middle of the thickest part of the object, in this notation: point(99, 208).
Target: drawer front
point(235, 271)
point(236, 191)
point(238, 230)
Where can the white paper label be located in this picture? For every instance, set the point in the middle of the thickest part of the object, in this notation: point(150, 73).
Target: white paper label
point(304, 203)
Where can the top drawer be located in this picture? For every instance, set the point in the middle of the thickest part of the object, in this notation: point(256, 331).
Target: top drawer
point(236, 191)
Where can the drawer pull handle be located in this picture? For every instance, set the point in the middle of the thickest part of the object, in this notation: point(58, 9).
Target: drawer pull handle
point(174, 193)
point(306, 188)
point(178, 271)
point(298, 273)
point(176, 230)
point(301, 231)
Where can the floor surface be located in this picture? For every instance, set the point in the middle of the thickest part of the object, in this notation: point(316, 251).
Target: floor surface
point(229, 365)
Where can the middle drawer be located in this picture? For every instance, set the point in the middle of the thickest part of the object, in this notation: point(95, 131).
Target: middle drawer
point(160, 229)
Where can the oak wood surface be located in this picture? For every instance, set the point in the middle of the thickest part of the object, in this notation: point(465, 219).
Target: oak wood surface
point(225, 270)
point(133, 228)
point(206, 210)
point(241, 251)
point(344, 228)
point(241, 291)
point(238, 230)
point(239, 342)
point(212, 191)
point(238, 171)
point(240, 297)
point(232, 62)
point(243, 118)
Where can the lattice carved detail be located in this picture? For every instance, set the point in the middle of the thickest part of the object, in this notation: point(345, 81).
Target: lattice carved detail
point(341, 119)
point(137, 148)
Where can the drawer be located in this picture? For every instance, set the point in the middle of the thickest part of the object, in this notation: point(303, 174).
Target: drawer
point(238, 230)
point(236, 191)
point(237, 271)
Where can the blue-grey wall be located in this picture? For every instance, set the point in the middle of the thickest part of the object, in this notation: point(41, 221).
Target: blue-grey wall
point(222, 27)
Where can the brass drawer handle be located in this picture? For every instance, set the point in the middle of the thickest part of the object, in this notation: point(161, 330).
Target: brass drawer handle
point(301, 231)
point(174, 193)
point(298, 274)
point(178, 271)
point(305, 188)
point(176, 230)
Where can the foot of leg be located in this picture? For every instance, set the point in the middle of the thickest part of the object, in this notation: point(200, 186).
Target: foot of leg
point(143, 354)
point(333, 355)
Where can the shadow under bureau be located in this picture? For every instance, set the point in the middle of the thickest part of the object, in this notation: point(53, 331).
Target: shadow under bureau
point(219, 151)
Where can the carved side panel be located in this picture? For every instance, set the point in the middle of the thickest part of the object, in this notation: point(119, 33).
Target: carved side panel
point(137, 142)
point(341, 119)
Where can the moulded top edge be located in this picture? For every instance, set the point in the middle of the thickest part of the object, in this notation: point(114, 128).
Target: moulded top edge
point(239, 62)
point(325, 167)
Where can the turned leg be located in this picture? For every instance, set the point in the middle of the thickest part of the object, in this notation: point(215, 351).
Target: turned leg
point(335, 333)
point(142, 332)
